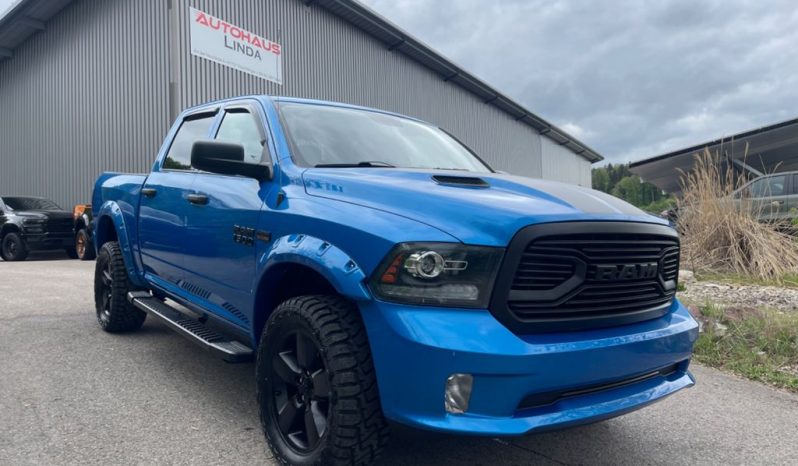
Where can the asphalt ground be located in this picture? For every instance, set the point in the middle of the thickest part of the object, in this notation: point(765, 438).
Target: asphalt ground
point(72, 394)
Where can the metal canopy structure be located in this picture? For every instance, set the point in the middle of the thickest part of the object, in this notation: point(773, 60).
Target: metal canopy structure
point(769, 149)
point(30, 16)
point(25, 19)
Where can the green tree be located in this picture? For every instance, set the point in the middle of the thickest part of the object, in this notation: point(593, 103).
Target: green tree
point(619, 181)
point(629, 189)
point(601, 179)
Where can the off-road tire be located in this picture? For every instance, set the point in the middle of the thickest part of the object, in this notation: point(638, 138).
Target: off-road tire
point(84, 245)
point(13, 247)
point(114, 313)
point(356, 431)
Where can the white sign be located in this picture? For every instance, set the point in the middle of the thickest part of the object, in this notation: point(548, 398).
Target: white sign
point(232, 46)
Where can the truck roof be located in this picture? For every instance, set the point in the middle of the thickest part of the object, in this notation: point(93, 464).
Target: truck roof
point(263, 97)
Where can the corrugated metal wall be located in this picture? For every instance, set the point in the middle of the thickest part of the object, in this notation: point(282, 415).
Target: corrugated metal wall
point(91, 93)
point(560, 163)
point(88, 94)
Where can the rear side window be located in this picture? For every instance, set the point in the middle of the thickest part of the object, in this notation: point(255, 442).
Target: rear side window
point(242, 127)
point(192, 129)
point(770, 186)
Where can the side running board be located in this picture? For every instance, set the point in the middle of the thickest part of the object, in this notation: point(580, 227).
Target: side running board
point(194, 330)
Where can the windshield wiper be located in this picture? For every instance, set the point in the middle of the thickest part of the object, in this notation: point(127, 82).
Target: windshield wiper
point(370, 164)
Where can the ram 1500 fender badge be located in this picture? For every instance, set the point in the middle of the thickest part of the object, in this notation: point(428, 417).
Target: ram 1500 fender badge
point(243, 235)
point(617, 272)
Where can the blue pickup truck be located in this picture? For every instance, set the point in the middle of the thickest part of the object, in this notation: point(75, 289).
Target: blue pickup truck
point(376, 269)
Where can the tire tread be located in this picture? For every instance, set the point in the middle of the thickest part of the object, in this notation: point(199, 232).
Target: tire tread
point(358, 430)
point(124, 317)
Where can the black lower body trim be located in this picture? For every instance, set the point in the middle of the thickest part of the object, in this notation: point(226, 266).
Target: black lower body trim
point(538, 400)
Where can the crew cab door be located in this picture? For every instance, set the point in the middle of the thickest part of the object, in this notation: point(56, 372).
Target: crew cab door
point(222, 229)
point(165, 205)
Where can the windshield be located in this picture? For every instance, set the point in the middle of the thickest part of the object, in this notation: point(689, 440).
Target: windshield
point(29, 203)
point(334, 136)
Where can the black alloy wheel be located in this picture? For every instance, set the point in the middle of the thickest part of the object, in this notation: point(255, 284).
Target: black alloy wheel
point(316, 385)
point(111, 285)
point(105, 293)
point(300, 391)
point(13, 248)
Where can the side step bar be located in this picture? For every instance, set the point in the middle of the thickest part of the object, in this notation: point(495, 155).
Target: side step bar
point(194, 330)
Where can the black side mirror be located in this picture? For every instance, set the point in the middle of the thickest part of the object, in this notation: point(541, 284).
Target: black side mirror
point(226, 158)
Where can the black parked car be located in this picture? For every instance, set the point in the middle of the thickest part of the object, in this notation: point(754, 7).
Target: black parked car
point(33, 223)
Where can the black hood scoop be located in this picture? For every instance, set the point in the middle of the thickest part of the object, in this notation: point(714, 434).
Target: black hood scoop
point(464, 181)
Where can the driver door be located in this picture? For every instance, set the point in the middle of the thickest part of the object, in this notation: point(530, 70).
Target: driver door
point(222, 229)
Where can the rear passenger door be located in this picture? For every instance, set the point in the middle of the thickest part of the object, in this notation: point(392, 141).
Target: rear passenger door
point(165, 202)
point(222, 230)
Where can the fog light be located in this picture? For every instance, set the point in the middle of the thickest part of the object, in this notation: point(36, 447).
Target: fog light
point(458, 393)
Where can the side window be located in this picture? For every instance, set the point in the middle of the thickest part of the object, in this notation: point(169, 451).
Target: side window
point(795, 184)
point(179, 155)
point(756, 189)
point(770, 186)
point(242, 127)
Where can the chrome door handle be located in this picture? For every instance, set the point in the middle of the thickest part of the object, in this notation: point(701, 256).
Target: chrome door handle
point(149, 192)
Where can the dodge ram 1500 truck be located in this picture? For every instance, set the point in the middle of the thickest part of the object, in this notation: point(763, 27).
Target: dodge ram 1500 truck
point(376, 269)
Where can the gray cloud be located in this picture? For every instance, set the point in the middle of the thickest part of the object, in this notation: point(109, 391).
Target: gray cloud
point(630, 78)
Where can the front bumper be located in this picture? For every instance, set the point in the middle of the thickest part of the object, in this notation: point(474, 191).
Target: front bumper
point(57, 240)
point(416, 348)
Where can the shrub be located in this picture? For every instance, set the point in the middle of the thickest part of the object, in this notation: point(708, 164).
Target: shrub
point(721, 235)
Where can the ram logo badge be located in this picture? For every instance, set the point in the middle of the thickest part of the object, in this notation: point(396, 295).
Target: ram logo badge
point(618, 272)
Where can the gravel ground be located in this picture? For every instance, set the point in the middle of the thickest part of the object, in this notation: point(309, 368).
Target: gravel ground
point(741, 296)
point(72, 394)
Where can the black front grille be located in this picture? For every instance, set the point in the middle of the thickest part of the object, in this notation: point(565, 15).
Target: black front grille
point(670, 264)
point(59, 225)
point(542, 272)
point(579, 275)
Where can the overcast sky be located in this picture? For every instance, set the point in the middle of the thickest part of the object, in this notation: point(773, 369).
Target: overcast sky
point(5, 5)
point(630, 78)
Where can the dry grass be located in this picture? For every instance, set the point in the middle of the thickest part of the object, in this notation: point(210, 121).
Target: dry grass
point(720, 235)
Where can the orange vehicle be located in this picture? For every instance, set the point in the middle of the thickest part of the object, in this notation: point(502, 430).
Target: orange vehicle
point(84, 243)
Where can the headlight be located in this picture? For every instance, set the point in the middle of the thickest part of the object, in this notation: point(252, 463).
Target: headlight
point(447, 274)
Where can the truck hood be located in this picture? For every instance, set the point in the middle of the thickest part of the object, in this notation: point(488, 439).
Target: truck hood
point(43, 214)
point(476, 208)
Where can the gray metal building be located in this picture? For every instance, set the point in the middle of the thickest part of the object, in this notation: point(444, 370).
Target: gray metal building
point(92, 85)
point(769, 149)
